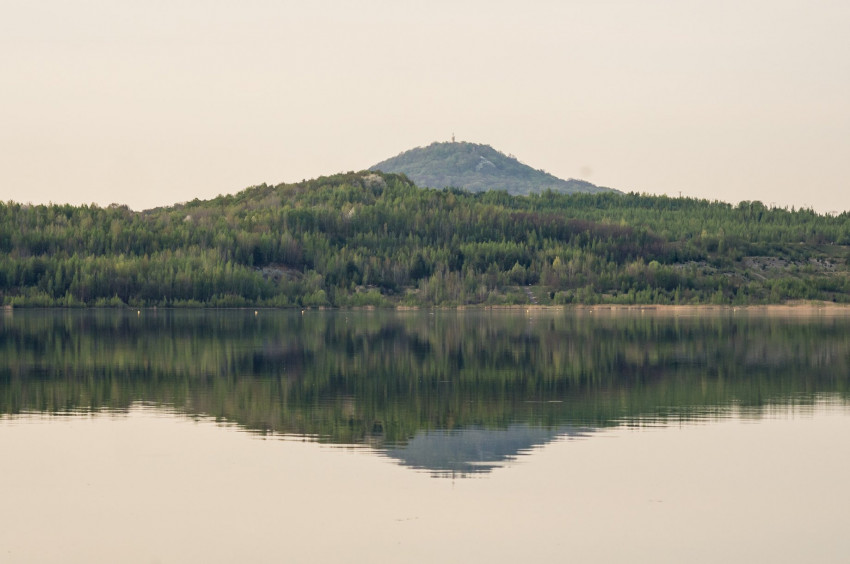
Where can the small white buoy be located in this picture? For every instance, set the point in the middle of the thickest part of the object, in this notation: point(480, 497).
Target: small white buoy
point(138, 312)
point(256, 312)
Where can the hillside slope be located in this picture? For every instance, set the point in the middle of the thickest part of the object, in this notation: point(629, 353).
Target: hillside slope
point(376, 239)
point(477, 168)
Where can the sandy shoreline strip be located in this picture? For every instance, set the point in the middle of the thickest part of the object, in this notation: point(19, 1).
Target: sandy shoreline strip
point(780, 310)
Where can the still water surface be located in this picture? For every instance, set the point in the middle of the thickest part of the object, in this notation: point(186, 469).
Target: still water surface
point(423, 437)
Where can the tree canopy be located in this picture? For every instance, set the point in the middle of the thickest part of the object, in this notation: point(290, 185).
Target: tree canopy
point(375, 239)
point(477, 168)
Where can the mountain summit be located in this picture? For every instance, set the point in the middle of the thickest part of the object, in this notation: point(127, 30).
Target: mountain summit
point(477, 168)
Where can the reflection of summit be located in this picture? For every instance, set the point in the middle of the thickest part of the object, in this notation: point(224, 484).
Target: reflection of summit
point(469, 390)
point(468, 451)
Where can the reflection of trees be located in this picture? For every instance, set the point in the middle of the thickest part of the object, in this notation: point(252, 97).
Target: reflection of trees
point(369, 376)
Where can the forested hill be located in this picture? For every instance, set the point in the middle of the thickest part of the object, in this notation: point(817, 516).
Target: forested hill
point(476, 168)
point(376, 239)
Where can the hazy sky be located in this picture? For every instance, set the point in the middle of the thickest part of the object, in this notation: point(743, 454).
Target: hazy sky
point(151, 103)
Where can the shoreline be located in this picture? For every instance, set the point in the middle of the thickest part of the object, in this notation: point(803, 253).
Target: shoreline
point(788, 309)
point(792, 308)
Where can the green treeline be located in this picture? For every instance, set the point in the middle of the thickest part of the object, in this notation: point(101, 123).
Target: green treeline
point(383, 377)
point(372, 239)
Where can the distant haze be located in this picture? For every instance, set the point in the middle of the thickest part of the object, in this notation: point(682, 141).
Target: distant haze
point(151, 103)
point(477, 167)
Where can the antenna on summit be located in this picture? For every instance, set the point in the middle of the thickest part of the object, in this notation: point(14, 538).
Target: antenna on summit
point(453, 136)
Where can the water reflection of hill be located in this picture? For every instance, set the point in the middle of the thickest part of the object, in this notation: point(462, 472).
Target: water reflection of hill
point(399, 380)
point(472, 450)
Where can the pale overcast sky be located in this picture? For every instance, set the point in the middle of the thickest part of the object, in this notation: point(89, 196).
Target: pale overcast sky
point(155, 102)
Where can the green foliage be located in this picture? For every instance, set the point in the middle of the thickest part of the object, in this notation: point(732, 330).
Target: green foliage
point(369, 239)
point(477, 168)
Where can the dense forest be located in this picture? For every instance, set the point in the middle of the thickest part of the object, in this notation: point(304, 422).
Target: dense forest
point(375, 239)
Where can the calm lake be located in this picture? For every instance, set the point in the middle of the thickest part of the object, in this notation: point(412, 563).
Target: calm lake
point(448, 436)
